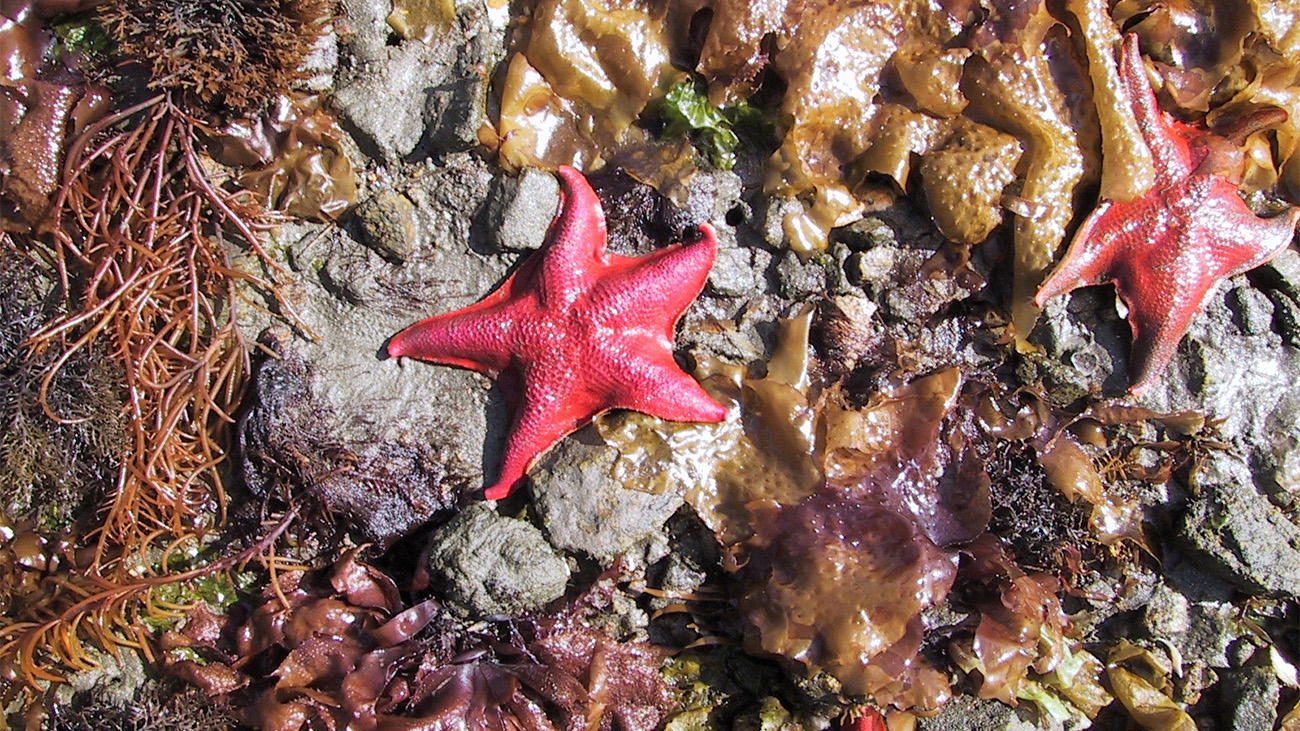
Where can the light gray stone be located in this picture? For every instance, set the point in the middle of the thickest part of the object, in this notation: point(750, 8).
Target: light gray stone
point(456, 104)
point(491, 564)
point(383, 103)
point(520, 209)
point(738, 271)
point(1236, 532)
point(583, 508)
point(363, 28)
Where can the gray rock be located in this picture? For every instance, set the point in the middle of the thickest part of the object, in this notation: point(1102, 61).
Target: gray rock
point(443, 424)
point(491, 564)
point(387, 222)
point(1252, 310)
point(771, 221)
point(1236, 532)
point(381, 489)
point(114, 678)
point(1248, 699)
point(456, 104)
point(729, 329)
point(965, 713)
point(383, 103)
point(738, 271)
point(1167, 614)
point(868, 233)
point(583, 508)
point(871, 268)
point(1084, 347)
point(799, 279)
point(1212, 628)
point(363, 27)
point(520, 209)
point(1234, 369)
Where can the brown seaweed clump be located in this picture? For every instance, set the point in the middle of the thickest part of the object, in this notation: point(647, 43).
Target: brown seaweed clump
point(850, 518)
point(136, 240)
point(338, 650)
point(218, 55)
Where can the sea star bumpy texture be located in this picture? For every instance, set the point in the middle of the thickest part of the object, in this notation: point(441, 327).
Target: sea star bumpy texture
point(576, 331)
point(1167, 248)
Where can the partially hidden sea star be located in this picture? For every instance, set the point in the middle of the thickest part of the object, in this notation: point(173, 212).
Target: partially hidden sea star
point(1167, 248)
point(576, 331)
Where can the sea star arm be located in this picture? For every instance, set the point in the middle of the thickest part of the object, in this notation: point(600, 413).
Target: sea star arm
point(1085, 259)
point(1157, 327)
point(654, 384)
point(1241, 240)
point(578, 238)
point(1169, 149)
point(545, 411)
point(475, 337)
point(667, 280)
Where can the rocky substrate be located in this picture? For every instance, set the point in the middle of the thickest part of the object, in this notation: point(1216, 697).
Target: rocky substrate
point(395, 451)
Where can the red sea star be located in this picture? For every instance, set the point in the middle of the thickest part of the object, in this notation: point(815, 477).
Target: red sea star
point(1167, 248)
point(576, 331)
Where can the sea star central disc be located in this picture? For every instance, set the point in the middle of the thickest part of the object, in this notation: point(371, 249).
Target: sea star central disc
point(576, 331)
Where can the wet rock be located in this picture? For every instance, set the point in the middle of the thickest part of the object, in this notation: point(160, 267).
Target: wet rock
point(965, 713)
point(383, 102)
point(868, 233)
point(1252, 310)
point(456, 103)
point(1167, 614)
point(491, 564)
point(450, 194)
point(1237, 371)
point(387, 221)
point(520, 209)
point(710, 196)
point(727, 328)
point(1236, 532)
point(1084, 348)
point(583, 508)
point(771, 219)
point(290, 441)
point(871, 268)
point(408, 437)
point(799, 279)
point(1248, 699)
point(1212, 628)
point(363, 27)
point(115, 678)
point(738, 271)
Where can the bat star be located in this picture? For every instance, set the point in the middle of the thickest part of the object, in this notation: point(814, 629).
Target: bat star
point(1167, 248)
point(576, 331)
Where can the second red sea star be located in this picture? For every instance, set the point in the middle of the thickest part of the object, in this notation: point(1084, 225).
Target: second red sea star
point(1166, 249)
point(576, 331)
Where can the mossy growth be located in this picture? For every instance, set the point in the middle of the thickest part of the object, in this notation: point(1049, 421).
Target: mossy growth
point(50, 468)
point(223, 56)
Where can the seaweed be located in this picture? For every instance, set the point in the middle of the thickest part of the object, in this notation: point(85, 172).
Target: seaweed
point(338, 649)
point(229, 56)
